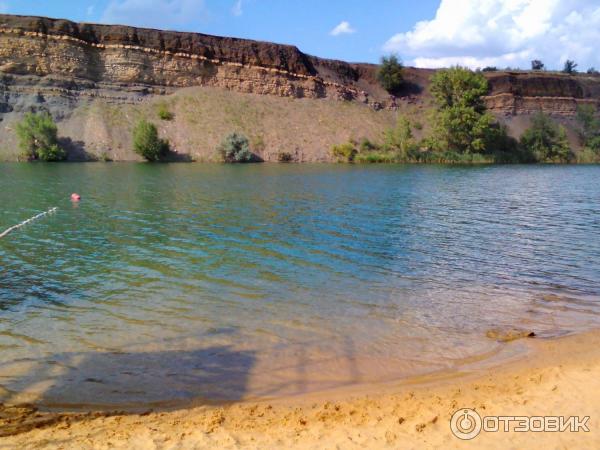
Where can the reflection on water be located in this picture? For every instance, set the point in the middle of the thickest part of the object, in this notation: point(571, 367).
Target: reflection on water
point(181, 282)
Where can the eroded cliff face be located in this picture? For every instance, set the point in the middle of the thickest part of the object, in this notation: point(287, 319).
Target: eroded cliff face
point(67, 68)
point(515, 93)
point(119, 58)
point(127, 62)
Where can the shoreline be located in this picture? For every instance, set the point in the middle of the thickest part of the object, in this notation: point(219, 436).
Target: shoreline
point(558, 376)
point(308, 163)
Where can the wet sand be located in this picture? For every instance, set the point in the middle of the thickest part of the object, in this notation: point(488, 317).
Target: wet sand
point(558, 377)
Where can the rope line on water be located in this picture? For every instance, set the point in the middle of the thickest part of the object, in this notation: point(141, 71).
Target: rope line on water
point(25, 222)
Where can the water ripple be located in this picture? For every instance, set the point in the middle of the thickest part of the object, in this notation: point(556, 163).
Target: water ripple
point(360, 272)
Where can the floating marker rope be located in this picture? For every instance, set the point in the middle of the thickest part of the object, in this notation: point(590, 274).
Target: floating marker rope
point(11, 229)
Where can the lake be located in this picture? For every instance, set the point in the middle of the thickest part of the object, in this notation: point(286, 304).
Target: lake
point(183, 283)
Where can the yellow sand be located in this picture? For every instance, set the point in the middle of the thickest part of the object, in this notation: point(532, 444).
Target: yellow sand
point(561, 377)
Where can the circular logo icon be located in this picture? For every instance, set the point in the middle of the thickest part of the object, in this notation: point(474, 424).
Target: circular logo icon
point(465, 424)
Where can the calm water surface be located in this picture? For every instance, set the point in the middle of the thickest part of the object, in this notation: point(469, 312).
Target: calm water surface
point(174, 283)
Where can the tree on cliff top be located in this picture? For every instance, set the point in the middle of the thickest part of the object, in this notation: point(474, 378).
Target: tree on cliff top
point(459, 86)
point(536, 64)
point(38, 139)
point(570, 67)
point(390, 74)
point(147, 143)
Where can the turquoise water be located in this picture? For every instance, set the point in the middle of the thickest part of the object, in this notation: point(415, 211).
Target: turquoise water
point(177, 283)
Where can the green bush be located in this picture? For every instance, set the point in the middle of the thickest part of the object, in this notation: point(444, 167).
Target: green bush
point(399, 139)
point(364, 152)
point(164, 113)
point(147, 143)
point(389, 74)
point(398, 147)
point(37, 134)
point(235, 148)
point(461, 123)
point(375, 157)
point(589, 126)
point(594, 144)
point(367, 146)
point(545, 140)
point(52, 153)
point(587, 156)
point(345, 152)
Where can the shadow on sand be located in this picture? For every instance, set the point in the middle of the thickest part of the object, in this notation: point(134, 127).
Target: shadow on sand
point(135, 381)
point(121, 383)
point(67, 387)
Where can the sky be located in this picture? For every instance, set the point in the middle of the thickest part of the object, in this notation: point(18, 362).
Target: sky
point(423, 33)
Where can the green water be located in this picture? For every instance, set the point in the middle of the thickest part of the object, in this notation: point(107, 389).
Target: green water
point(176, 283)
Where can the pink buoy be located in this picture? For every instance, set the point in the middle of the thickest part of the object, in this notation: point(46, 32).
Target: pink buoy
point(75, 197)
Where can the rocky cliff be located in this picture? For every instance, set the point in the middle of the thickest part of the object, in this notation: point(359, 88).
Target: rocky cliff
point(514, 93)
point(65, 67)
point(151, 61)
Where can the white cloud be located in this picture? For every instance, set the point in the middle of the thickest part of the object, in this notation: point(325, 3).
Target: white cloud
point(90, 11)
point(343, 28)
point(478, 33)
point(174, 14)
point(237, 9)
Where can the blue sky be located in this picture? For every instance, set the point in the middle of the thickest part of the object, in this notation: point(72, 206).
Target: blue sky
point(424, 33)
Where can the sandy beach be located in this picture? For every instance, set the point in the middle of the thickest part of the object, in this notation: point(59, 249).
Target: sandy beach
point(559, 377)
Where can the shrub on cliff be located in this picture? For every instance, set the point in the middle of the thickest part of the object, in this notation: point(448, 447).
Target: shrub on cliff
point(545, 140)
point(390, 74)
point(589, 126)
point(164, 113)
point(536, 64)
point(235, 148)
point(570, 67)
point(52, 153)
point(367, 146)
point(345, 152)
point(37, 134)
point(399, 140)
point(147, 143)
